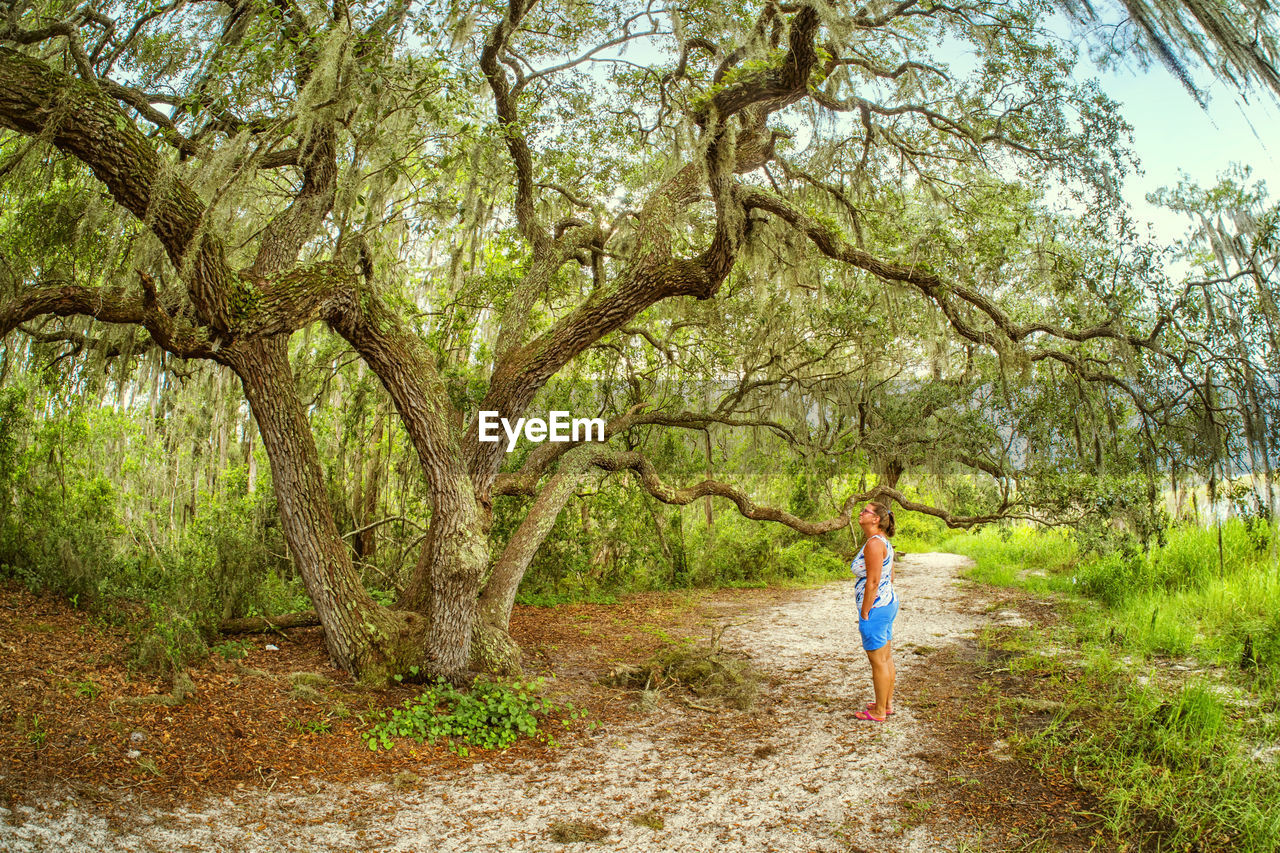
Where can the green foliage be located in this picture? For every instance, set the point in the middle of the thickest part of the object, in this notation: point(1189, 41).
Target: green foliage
point(1173, 757)
point(1025, 556)
point(230, 650)
point(86, 688)
point(491, 715)
point(918, 532)
point(313, 726)
point(732, 551)
point(59, 524)
point(1173, 600)
point(1189, 561)
point(809, 560)
point(553, 599)
point(35, 730)
point(166, 640)
point(66, 526)
point(1168, 763)
point(231, 542)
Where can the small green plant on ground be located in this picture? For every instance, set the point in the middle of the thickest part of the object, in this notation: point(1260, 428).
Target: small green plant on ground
point(86, 689)
point(490, 716)
point(315, 726)
point(34, 731)
point(232, 649)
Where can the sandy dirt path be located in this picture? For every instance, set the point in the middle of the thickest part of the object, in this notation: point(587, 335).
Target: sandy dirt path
point(798, 774)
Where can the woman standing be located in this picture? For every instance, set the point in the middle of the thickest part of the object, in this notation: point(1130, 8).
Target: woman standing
point(877, 605)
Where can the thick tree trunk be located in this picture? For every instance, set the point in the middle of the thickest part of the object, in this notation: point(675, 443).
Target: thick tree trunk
point(891, 473)
point(367, 640)
point(447, 579)
point(494, 649)
point(454, 557)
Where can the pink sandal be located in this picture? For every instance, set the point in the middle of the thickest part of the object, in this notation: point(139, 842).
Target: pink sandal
point(867, 715)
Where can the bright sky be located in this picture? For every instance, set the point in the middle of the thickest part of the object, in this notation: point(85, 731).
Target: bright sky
point(1172, 133)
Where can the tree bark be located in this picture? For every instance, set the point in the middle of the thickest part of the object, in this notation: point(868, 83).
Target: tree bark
point(494, 648)
point(451, 565)
point(367, 640)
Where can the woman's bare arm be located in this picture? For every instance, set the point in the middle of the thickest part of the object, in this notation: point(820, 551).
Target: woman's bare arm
point(873, 553)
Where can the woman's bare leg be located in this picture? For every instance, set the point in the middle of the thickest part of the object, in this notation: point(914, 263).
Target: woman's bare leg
point(882, 678)
point(893, 677)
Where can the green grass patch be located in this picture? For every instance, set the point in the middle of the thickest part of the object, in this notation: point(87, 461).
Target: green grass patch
point(1179, 760)
point(1033, 559)
point(1172, 766)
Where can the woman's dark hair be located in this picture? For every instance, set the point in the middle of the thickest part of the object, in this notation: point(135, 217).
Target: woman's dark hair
point(885, 515)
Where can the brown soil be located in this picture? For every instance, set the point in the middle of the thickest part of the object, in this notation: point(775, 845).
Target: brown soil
point(69, 722)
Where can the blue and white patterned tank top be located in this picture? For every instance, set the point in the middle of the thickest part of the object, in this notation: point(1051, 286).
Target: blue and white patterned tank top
point(884, 593)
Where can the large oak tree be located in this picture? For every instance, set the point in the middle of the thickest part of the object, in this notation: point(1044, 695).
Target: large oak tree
point(277, 164)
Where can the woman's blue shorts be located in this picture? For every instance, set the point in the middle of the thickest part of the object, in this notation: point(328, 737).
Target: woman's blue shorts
point(877, 629)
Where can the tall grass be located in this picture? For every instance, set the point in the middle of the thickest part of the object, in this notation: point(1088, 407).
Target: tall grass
point(1171, 767)
point(1184, 599)
point(1020, 556)
point(1178, 759)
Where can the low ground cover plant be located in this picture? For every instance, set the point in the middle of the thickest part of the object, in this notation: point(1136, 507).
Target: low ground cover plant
point(491, 715)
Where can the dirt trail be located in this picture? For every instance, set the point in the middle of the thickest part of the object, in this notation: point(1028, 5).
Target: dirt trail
point(799, 774)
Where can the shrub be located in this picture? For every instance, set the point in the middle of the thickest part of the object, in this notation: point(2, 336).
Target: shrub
point(809, 559)
point(732, 551)
point(1188, 561)
point(1111, 578)
point(165, 640)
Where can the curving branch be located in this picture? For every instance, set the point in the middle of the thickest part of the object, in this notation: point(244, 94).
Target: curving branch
point(973, 138)
point(525, 481)
point(1004, 512)
point(942, 292)
point(634, 461)
point(894, 73)
point(626, 36)
point(773, 87)
point(60, 29)
point(654, 273)
point(648, 476)
point(504, 96)
point(138, 25)
point(109, 305)
point(79, 342)
point(37, 101)
point(142, 104)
